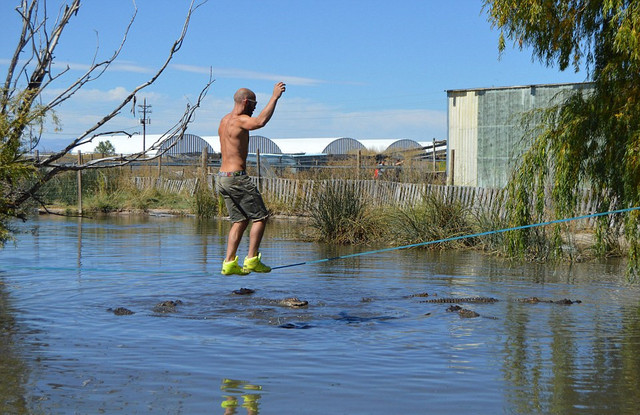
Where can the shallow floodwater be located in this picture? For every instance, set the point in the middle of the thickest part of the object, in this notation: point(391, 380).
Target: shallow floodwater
point(362, 346)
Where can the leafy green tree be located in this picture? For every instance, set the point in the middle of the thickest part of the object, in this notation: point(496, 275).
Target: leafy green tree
point(590, 140)
point(22, 106)
point(105, 147)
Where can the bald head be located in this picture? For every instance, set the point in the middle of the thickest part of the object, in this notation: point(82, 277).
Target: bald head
point(242, 94)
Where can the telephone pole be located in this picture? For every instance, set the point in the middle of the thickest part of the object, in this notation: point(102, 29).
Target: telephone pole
point(146, 109)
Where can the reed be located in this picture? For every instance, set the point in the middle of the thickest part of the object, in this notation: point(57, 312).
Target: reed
point(343, 216)
point(432, 220)
point(205, 202)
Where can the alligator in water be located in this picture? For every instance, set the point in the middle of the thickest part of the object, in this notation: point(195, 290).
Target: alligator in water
point(536, 300)
point(121, 311)
point(461, 300)
point(244, 291)
point(463, 312)
point(292, 302)
point(167, 306)
point(425, 294)
point(530, 300)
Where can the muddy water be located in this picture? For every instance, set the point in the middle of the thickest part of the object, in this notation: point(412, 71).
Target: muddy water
point(361, 346)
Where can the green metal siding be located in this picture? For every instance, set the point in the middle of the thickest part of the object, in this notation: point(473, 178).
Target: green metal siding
point(500, 135)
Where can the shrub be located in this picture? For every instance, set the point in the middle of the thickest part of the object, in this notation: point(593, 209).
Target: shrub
point(205, 202)
point(341, 215)
point(432, 220)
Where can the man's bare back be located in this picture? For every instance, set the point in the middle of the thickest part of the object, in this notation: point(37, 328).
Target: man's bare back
point(235, 126)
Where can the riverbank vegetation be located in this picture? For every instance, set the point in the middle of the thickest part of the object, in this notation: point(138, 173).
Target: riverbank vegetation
point(588, 140)
point(336, 211)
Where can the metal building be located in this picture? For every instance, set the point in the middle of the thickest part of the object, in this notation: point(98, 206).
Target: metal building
point(264, 144)
point(188, 145)
point(404, 144)
point(485, 137)
point(344, 145)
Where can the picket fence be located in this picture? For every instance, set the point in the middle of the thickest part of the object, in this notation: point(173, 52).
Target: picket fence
point(300, 195)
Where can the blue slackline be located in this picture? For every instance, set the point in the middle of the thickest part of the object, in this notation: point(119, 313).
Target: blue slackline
point(317, 261)
point(455, 238)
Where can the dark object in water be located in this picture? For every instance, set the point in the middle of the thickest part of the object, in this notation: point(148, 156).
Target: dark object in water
point(301, 326)
point(168, 306)
point(462, 300)
point(425, 294)
point(121, 311)
point(464, 313)
point(536, 300)
point(244, 291)
point(293, 302)
point(344, 316)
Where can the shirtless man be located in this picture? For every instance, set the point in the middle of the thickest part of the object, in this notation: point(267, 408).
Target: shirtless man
point(241, 196)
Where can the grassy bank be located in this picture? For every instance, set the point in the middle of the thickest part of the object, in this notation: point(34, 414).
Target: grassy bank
point(341, 214)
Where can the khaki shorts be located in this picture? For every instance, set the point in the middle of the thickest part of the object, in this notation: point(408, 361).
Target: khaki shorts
point(242, 198)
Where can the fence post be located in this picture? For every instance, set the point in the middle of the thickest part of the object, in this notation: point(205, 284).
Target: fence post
point(358, 164)
point(258, 165)
point(452, 164)
point(79, 183)
point(159, 166)
point(433, 156)
point(204, 163)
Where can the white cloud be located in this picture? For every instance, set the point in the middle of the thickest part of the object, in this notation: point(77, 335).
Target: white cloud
point(294, 117)
point(245, 74)
point(118, 66)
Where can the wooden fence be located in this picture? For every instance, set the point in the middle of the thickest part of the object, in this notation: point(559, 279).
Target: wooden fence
point(169, 185)
point(301, 194)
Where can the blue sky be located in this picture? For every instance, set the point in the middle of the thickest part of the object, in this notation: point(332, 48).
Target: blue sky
point(355, 68)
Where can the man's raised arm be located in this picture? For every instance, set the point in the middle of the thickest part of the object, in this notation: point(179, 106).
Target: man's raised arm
point(253, 123)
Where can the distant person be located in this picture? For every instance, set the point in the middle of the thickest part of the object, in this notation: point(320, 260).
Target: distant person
point(241, 196)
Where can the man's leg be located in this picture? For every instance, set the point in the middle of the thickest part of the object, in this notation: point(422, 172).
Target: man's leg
point(235, 236)
point(252, 262)
point(255, 237)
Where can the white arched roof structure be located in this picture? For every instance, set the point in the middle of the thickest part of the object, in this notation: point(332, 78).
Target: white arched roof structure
point(129, 145)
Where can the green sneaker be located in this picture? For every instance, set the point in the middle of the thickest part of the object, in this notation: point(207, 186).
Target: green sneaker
point(254, 264)
point(232, 267)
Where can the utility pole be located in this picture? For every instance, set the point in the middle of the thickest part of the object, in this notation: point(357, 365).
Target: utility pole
point(146, 109)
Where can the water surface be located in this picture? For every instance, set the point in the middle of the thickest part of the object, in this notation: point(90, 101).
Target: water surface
point(362, 346)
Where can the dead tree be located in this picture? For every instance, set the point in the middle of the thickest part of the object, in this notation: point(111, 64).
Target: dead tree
point(21, 105)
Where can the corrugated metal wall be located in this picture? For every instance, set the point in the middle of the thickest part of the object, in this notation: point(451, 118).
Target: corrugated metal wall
point(344, 145)
point(189, 144)
point(463, 137)
point(485, 129)
point(264, 144)
point(403, 144)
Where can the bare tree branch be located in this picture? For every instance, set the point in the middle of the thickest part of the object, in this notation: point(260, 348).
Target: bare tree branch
point(50, 165)
point(25, 35)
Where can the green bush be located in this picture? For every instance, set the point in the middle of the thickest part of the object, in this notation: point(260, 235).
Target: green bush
point(205, 203)
point(432, 220)
point(341, 215)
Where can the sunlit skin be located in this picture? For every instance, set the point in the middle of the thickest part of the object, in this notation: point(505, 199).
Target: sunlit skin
point(234, 146)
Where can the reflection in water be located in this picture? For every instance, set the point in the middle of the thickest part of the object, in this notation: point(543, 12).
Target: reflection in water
point(554, 371)
point(234, 390)
point(79, 249)
point(13, 370)
point(59, 343)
